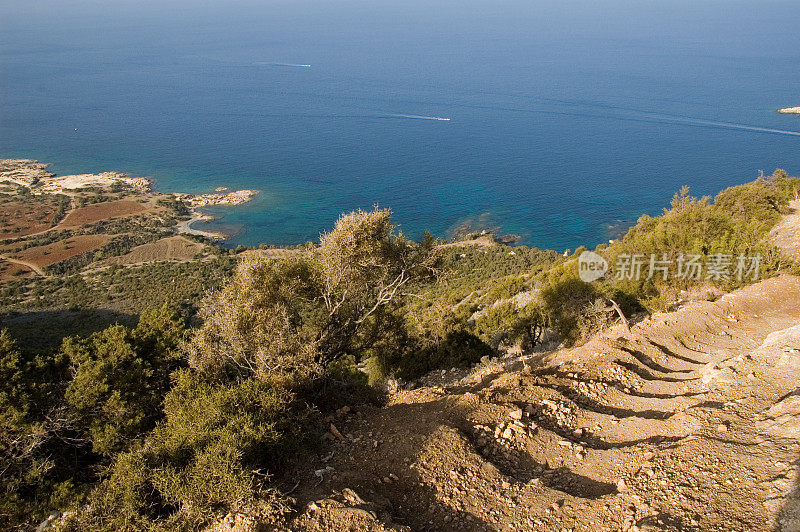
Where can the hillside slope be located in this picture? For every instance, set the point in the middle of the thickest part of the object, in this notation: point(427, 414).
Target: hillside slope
point(688, 422)
point(786, 235)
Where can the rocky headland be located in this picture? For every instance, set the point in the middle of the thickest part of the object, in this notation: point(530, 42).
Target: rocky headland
point(34, 176)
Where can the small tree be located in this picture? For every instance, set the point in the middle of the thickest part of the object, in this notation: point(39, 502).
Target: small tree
point(365, 271)
point(258, 324)
point(295, 316)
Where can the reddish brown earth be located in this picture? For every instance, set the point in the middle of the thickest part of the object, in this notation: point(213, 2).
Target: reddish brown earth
point(102, 211)
point(10, 271)
point(19, 219)
point(43, 256)
point(689, 422)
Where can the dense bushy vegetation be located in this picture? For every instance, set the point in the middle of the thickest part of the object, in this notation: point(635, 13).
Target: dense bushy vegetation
point(516, 299)
point(167, 426)
point(120, 288)
point(171, 447)
point(215, 452)
point(119, 376)
point(63, 416)
point(732, 227)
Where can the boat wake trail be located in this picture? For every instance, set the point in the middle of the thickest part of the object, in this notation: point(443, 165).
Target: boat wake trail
point(726, 125)
point(293, 65)
point(418, 117)
point(618, 112)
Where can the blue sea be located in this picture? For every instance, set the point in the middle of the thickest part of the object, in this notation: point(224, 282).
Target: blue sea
point(566, 120)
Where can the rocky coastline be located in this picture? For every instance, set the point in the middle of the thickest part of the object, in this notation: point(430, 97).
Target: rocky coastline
point(226, 197)
point(34, 176)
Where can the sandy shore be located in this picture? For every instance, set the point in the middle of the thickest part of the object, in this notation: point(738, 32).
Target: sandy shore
point(185, 227)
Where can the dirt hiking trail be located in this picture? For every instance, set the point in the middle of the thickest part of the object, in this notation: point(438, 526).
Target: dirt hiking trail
point(786, 235)
point(688, 422)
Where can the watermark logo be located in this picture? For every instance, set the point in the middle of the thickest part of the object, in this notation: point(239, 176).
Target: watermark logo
point(591, 266)
point(688, 267)
point(715, 267)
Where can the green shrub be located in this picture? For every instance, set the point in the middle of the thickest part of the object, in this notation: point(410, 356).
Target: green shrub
point(344, 384)
point(508, 323)
point(34, 468)
point(260, 323)
point(456, 349)
point(216, 452)
point(121, 376)
point(735, 226)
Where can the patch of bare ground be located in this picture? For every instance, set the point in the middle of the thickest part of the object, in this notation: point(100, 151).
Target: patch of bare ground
point(483, 241)
point(11, 271)
point(19, 218)
point(786, 235)
point(173, 248)
point(103, 211)
point(690, 421)
point(44, 256)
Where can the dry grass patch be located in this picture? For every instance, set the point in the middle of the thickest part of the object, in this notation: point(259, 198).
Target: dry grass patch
point(173, 248)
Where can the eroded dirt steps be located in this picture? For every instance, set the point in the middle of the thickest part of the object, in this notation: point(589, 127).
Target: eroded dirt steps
point(690, 421)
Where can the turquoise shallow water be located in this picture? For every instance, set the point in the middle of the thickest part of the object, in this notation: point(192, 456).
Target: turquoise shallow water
point(566, 119)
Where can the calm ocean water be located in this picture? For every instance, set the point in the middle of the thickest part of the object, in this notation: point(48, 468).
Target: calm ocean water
point(566, 118)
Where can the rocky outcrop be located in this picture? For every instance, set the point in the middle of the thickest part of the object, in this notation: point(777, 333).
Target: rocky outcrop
point(236, 197)
point(25, 172)
point(34, 175)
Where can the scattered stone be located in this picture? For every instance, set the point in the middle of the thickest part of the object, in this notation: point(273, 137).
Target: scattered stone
point(352, 497)
point(320, 473)
point(335, 432)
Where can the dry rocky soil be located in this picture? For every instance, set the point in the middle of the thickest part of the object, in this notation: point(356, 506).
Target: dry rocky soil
point(690, 421)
